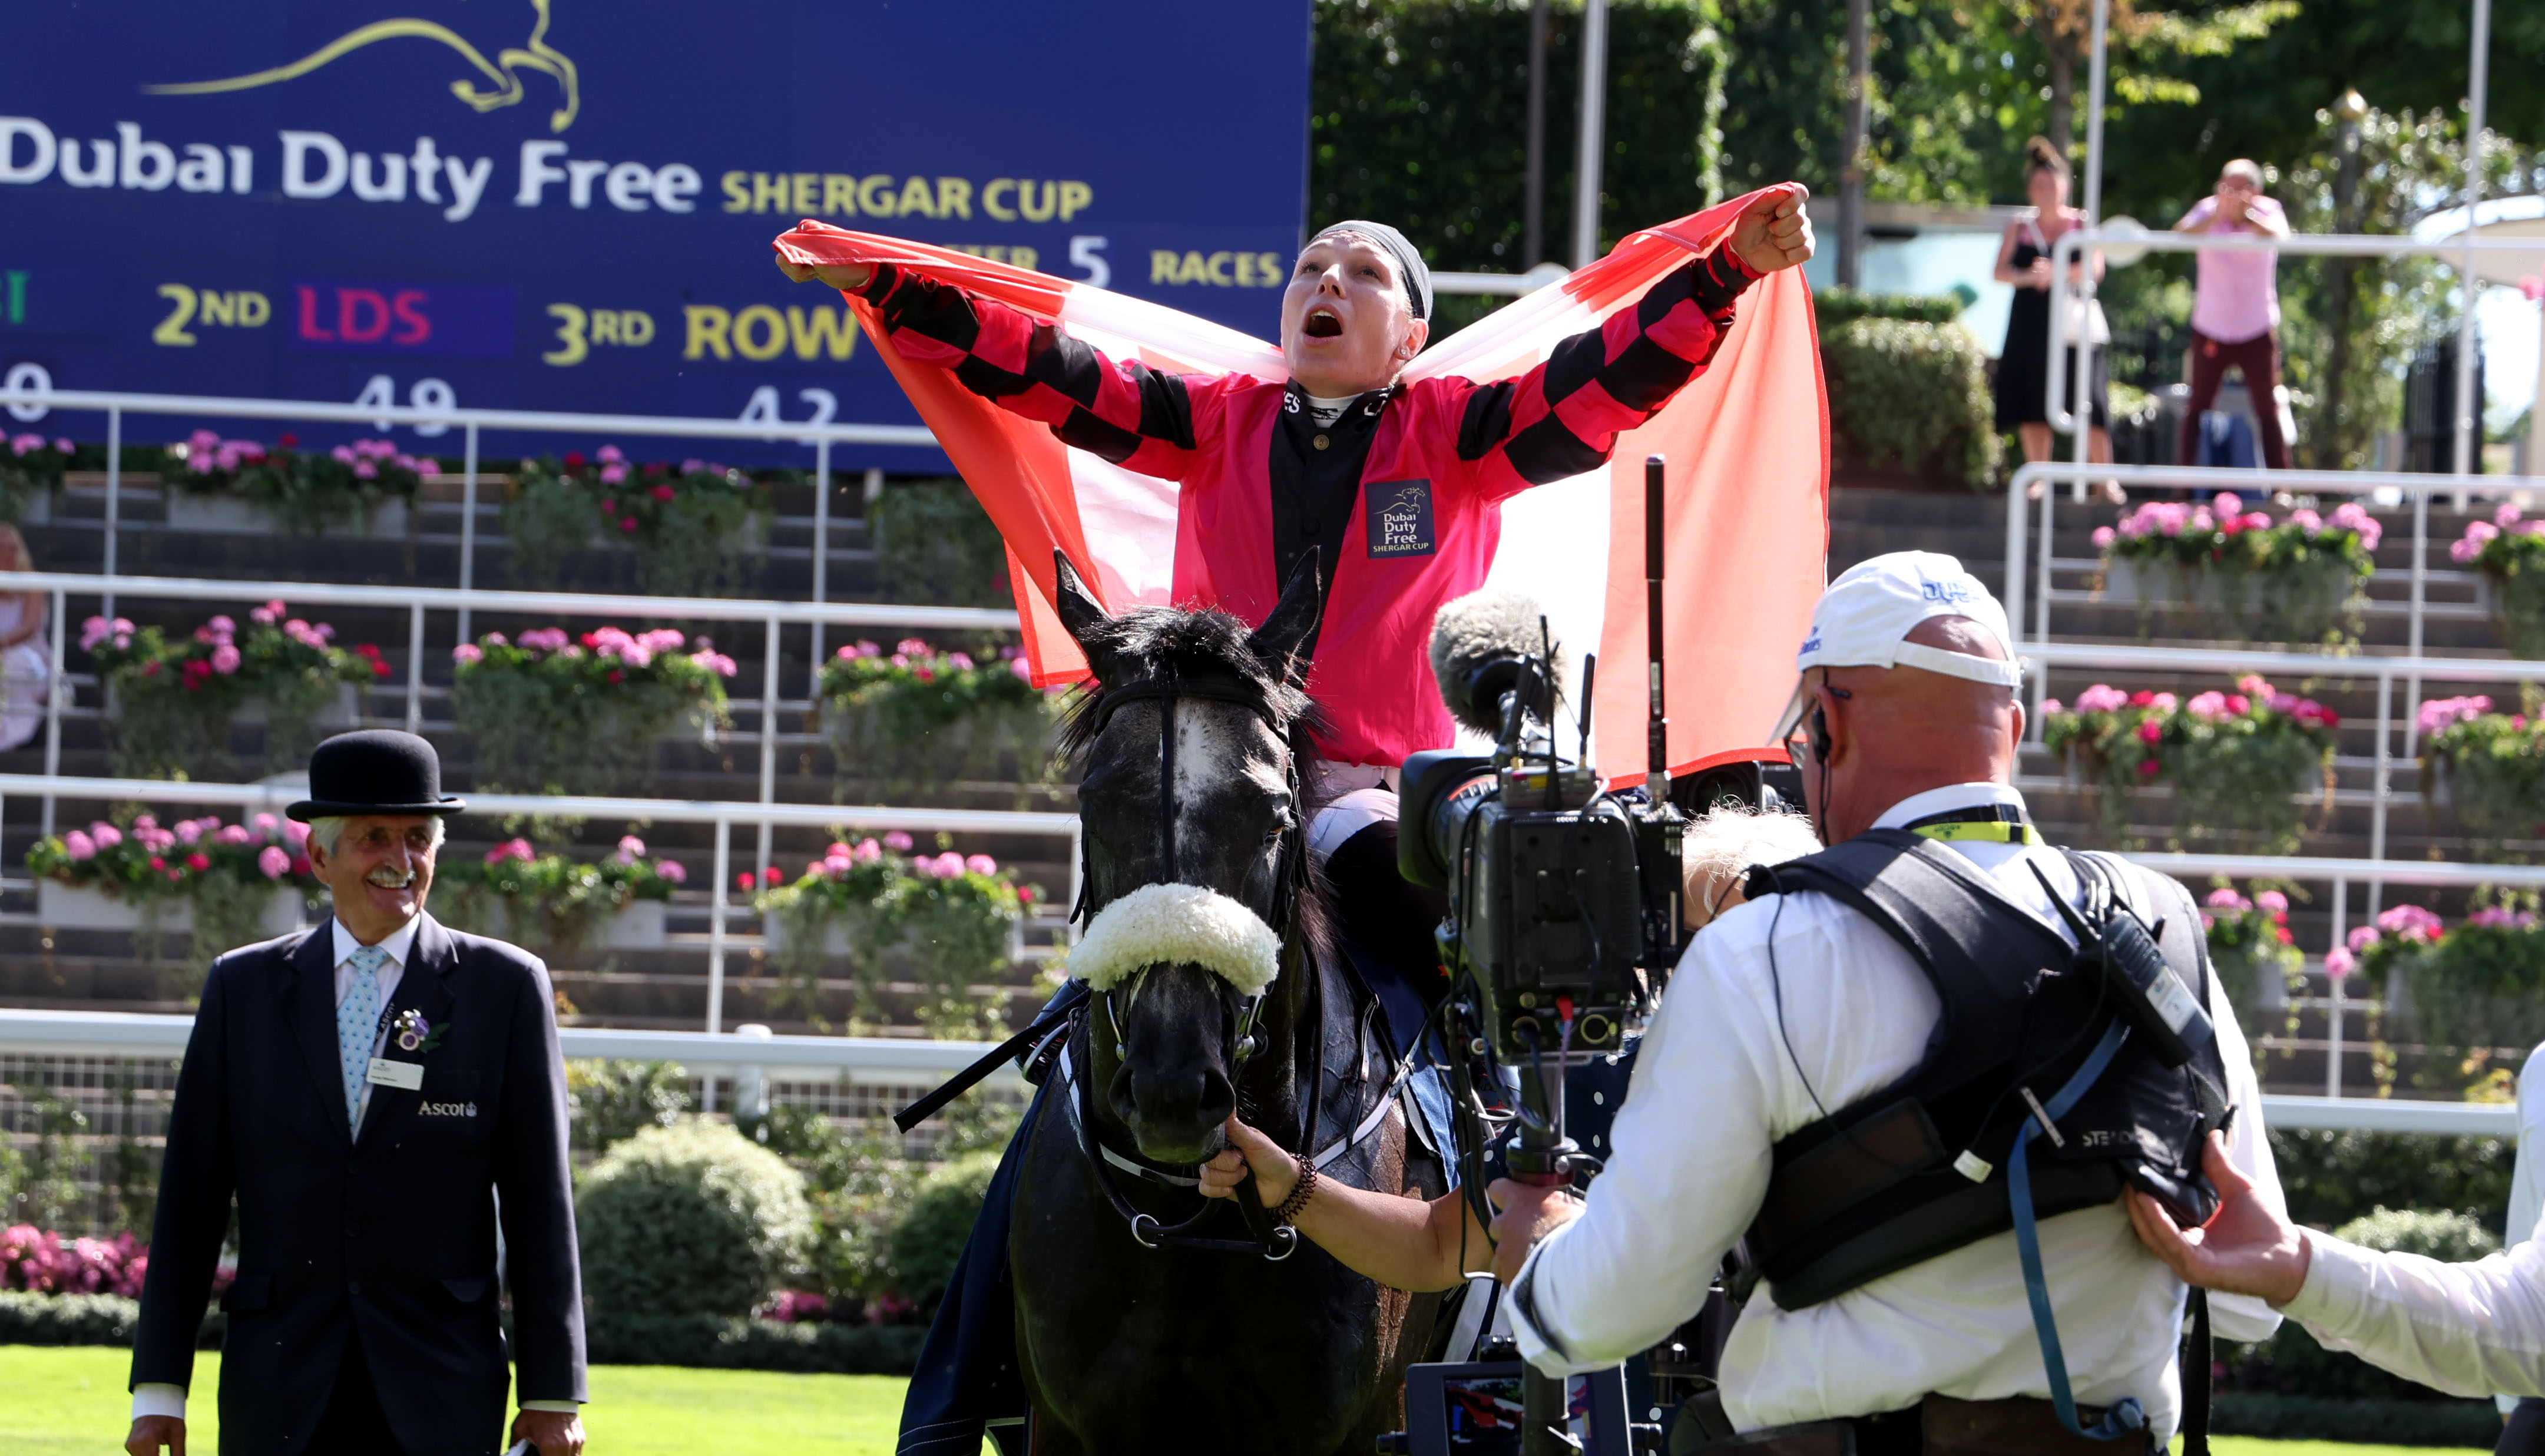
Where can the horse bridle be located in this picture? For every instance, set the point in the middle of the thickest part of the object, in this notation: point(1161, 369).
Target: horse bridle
point(1274, 1243)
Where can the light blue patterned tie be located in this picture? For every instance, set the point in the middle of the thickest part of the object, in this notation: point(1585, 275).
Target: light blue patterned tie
point(358, 1023)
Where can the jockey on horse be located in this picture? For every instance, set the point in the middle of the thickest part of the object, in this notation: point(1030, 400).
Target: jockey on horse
point(1269, 470)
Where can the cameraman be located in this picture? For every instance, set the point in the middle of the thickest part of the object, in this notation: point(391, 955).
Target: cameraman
point(1795, 1005)
point(1420, 1247)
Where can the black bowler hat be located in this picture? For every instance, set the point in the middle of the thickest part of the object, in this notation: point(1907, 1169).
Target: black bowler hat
point(378, 771)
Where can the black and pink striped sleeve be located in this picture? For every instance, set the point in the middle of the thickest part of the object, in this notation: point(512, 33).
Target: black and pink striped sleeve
point(1563, 417)
point(1123, 411)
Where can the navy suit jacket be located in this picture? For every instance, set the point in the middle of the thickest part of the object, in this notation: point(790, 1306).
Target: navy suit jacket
point(388, 1238)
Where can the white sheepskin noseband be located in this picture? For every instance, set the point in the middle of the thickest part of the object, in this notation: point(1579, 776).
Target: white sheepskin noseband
point(1178, 924)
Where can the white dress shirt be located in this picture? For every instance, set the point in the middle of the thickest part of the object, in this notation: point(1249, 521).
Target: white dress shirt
point(152, 1397)
point(1715, 1087)
point(2468, 1329)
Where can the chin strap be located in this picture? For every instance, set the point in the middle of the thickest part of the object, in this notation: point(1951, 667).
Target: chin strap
point(2124, 1417)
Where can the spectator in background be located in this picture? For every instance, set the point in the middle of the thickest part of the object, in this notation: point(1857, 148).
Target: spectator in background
point(2236, 310)
point(26, 660)
point(2024, 365)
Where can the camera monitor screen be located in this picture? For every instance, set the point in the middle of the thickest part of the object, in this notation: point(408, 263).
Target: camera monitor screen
point(1474, 1410)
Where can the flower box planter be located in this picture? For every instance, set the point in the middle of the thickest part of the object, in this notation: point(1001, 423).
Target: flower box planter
point(80, 908)
point(344, 711)
point(637, 926)
point(224, 515)
point(835, 938)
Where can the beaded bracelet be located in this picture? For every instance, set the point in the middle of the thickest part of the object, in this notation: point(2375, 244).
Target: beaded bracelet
point(1300, 1192)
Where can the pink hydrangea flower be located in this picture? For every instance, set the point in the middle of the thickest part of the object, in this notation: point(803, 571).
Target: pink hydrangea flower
point(2226, 898)
point(2051, 706)
point(2441, 713)
point(2101, 699)
point(867, 852)
point(467, 652)
point(981, 865)
point(671, 870)
point(897, 842)
point(2338, 963)
point(226, 659)
point(270, 862)
point(2104, 538)
point(79, 846)
point(105, 834)
point(232, 834)
point(2209, 707)
point(2271, 900)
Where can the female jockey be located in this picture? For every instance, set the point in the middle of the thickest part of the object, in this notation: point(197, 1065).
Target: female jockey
point(1267, 470)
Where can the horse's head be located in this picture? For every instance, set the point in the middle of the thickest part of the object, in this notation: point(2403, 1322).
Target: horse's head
point(1192, 745)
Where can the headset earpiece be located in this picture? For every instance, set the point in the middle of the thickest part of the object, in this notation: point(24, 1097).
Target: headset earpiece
point(1819, 736)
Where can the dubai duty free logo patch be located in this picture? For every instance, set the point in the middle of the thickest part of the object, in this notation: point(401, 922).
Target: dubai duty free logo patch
point(1400, 517)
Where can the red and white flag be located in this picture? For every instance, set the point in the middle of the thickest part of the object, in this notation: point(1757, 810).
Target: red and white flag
point(1747, 522)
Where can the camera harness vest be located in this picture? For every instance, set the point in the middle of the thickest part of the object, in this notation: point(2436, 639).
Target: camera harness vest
point(2038, 1042)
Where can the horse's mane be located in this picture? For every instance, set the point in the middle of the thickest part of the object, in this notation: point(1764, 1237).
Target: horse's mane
point(1147, 643)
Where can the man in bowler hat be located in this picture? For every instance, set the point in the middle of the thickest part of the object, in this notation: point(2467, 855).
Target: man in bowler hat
point(361, 1090)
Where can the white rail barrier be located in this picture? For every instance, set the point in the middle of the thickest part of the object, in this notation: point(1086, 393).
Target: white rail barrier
point(771, 617)
point(30, 405)
point(272, 797)
point(880, 1061)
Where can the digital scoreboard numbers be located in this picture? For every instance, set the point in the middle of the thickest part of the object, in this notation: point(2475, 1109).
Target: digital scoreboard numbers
point(558, 204)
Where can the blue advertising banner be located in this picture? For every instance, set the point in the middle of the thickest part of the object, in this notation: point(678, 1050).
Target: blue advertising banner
point(564, 205)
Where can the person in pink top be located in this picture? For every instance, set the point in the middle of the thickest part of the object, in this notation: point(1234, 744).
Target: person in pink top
point(2236, 309)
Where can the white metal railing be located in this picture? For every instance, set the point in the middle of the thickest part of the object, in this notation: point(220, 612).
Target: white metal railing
point(274, 797)
point(897, 1062)
point(30, 405)
point(773, 617)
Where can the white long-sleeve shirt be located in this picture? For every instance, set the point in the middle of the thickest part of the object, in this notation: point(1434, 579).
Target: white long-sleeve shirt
point(2467, 1329)
point(1715, 1087)
point(2528, 1178)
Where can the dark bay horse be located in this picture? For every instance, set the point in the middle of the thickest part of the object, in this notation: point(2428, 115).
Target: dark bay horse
point(1133, 1342)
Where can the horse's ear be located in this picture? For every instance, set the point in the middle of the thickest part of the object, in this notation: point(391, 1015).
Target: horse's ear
point(1292, 626)
point(1081, 614)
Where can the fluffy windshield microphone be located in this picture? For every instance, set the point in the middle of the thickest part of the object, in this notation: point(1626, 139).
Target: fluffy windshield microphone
point(1477, 643)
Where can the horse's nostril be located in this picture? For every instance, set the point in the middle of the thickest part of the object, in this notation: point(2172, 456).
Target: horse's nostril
point(1217, 1101)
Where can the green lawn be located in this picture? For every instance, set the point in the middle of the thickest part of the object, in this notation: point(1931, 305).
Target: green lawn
point(72, 1402)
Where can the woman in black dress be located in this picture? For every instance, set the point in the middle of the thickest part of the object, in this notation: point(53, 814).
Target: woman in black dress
point(2024, 365)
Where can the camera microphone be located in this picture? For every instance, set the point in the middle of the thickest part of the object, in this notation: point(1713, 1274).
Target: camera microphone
point(1478, 642)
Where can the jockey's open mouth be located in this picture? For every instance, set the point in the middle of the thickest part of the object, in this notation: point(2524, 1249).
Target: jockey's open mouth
point(1322, 322)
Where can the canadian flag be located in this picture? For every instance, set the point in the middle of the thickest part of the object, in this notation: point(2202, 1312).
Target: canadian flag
point(1746, 525)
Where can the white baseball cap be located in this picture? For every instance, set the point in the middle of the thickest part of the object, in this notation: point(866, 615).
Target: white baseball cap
point(1874, 603)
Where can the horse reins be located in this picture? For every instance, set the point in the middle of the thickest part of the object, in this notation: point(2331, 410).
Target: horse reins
point(1274, 1241)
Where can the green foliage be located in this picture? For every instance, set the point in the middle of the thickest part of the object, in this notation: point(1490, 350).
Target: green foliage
point(934, 543)
point(2235, 760)
point(1911, 394)
point(2330, 1176)
point(41, 1185)
point(225, 873)
point(67, 1319)
point(2509, 553)
point(561, 905)
point(704, 1341)
point(916, 719)
point(952, 916)
point(2487, 768)
point(689, 1219)
point(30, 467)
point(930, 1237)
point(2250, 945)
point(2240, 576)
point(2359, 1425)
point(698, 529)
point(170, 704)
point(610, 1101)
point(1833, 307)
point(303, 492)
point(555, 716)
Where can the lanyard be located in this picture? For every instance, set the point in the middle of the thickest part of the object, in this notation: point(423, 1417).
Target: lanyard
point(1990, 831)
